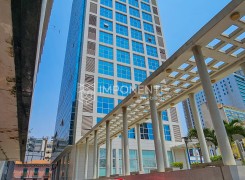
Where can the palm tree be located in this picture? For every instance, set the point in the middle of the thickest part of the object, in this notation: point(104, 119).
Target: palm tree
point(234, 128)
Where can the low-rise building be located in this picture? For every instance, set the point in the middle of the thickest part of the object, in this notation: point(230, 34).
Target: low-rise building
point(36, 169)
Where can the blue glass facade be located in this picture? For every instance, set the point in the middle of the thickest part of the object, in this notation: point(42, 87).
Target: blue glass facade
point(64, 128)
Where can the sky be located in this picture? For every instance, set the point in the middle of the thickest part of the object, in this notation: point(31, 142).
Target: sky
point(181, 19)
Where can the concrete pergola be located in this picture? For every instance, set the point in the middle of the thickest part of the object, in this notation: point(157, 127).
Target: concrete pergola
point(214, 52)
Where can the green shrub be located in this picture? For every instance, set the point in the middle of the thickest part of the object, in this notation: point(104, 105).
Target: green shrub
point(195, 163)
point(216, 158)
point(243, 163)
point(177, 164)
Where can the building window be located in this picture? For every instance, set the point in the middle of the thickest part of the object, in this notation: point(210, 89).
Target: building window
point(167, 132)
point(133, 160)
point(104, 105)
point(145, 7)
point(99, 119)
point(139, 60)
point(131, 133)
point(137, 47)
point(139, 75)
point(123, 72)
point(123, 56)
point(102, 162)
point(105, 86)
point(107, 25)
point(121, 7)
point(122, 29)
point(124, 88)
point(36, 171)
point(121, 18)
point(134, 12)
point(24, 172)
point(149, 160)
point(134, 3)
point(106, 68)
point(147, 16)
point(164, 115)
point(106, 3)
point(151, 51)
point(153, 64)
point(148, 27)
point(105, 52)
point(122, 42)
point(150, 38)
point(135, 23)
point(106, 38)
point(46, 171)
point(146, 131)
point(106, 12)
point(136, 34)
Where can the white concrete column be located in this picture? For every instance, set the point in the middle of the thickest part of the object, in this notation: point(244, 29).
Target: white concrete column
point(111, 152)
point(140, 159)
point(95, 170)
point(164, 151)
point(155, 128)
point(125, 139)
point(198, 126)
point(98, 162)
point(86, 159)
point(243, 68)
point(222, 138)
point(108, 150)
point(123, 167)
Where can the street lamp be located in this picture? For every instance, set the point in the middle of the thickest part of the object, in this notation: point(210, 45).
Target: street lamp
point(186, 139)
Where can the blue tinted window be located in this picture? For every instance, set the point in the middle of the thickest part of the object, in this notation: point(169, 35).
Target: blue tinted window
point(145, 7)
point(136, 34)
point(148, 1)
point(106, 12)
point(134, 3)
point(153, 64)
point(137, 47)
point(147, 16)
point(99, 119)
point(134, 12)
point(105, 86)
point(124, 88)
point(107, 25)
point(135, 22)
point(105, 52)
point(139, 60)
point(139, 75)
point(131, 133)
point(123, 57)
point(151, 51)
point(165, 116)
point(146, 131)
point(167, 133)
point(121, 18)
point(122, 0)
point(104, 105)
point(106, 38)
point(123, 72)
point(119, 101)
point(121, 7)
point(148, 27)
point(122, 29)
point(106, 68)
point(122, 42)
point(106, 2)
point(150, 38)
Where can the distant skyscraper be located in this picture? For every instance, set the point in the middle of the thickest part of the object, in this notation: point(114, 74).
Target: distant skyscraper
point(229, 91)
point(112, 47)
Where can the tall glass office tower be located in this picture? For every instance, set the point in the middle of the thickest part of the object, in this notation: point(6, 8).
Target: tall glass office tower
point(113, 46)
point(229, 91)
